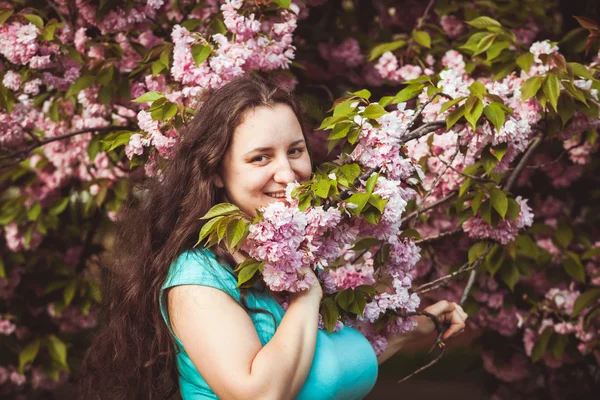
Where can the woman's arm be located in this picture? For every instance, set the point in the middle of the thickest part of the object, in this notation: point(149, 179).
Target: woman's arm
point(445, 311)
point(222, 342)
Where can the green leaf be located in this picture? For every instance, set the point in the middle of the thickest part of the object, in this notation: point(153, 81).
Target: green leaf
point(350, 172)
point(489, 162)
point(366, 243)
point(2, 269)
point(454, 116)
point(446, 106)
point(344, 299)
point(248, 273)
point(473, 111)
point(385, 47)
point(168, 110)
point(509, 275)
point(378, 202)
point(34, 19)
point(34, 212)
point(494, 259)
point(495, 114)
point(83, 82)
point(236, 230)
point(552, 90)
point(69, 292)
point(385, 100)
point(58, 206)
point(28, 354)
point(208, 227)
point(58, 350)
point(499, 201)
point(330, 313)
point(573, 266)
point(321, 187)
point(374, 111)
point(476, 202)
point(363, 94)
point(105, 75)
point(585, 300)
point(530, 87)
point(120, 140)
point(283, 3)
point(485, 43)
point(499, 150)
point(422, 38)
point(220, 209)
point(495, 49)
point(477, 89)
point(558, 345)
point(344, 108)
point(4, 15)
point(563, 235)
point(200, 53)
point(148, 97)
point(590, 253)
point(525, 61)
point(483, 22)
point(340, 131)
point(408, 93)
point(157, 67)
point(539, 349)
point(48, 31)
point(464, 187)
point(566, 108)
point(330, 122)
point(477, 251)
point(581, 70)
point(371, 182)
point(527, 247)
point(513, 209)
point(411, 233)
point(361, 200)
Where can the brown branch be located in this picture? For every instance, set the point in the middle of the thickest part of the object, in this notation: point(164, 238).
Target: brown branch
point(420, 22)
point(32, 136)
point(425, 104)
point(468, 286)
point(438, 178)
point(429, 207)
point(423, 130)
point(513, 177)
point(561, 155)
point(24, 152)
point(438, 236)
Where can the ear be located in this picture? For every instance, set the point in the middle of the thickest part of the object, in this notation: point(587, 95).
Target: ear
point(218, 182)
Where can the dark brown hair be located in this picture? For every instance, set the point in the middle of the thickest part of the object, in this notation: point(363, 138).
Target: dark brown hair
point(133, 354)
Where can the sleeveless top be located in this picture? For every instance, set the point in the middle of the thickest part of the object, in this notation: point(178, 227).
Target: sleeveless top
point(344, 366)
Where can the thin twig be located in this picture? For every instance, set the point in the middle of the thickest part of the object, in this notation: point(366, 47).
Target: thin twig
point(438, 178)
point(467, 288)
point(418, 26)
point(425, 104)
point(513, 177)
point(438, 236)
point(561, 155)
point(32, 136)
point(429, 207)
point(24, 152)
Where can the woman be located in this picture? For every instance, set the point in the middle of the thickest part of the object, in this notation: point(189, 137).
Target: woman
point(175, 314)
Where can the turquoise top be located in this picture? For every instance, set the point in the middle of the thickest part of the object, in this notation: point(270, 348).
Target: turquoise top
point(336, 373)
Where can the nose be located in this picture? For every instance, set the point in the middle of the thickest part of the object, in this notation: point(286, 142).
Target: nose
point(284, 172)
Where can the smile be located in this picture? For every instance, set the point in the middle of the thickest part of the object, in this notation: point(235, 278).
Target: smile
point(276, 195)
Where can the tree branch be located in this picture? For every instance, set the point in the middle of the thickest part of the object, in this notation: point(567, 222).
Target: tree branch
point(423, 130)
point(513, 177)
point(24, 152)
point(420, 22)
point(429, 207)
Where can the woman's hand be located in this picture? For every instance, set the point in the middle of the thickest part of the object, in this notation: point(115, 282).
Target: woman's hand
point(446, 313)
point(315, 292)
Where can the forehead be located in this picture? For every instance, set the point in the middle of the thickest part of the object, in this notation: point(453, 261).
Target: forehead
point(267, 126)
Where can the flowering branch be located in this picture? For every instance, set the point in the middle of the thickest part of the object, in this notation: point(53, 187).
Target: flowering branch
point(429, 207)
point(513, 177)
point(423, 130)
point(40, 143)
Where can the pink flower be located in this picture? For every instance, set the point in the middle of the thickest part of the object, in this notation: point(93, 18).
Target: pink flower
point(18, 42)
point(134, 147)
point(12, 80)
point(6, 326)
point(452, 26)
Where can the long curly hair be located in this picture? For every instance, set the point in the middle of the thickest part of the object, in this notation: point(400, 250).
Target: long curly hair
point(133, 354)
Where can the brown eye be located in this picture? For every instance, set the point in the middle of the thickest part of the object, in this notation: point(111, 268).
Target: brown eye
point(259, 159)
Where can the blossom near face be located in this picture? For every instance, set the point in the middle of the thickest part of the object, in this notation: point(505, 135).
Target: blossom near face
point(268, 151)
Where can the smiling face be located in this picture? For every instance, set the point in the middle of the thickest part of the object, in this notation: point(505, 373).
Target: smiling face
point(267, 152)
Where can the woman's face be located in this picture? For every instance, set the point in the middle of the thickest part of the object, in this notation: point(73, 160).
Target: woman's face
point(268, 151)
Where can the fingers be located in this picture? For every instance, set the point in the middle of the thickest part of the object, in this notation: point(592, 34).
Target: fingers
point(457, 322)
point(441, 307)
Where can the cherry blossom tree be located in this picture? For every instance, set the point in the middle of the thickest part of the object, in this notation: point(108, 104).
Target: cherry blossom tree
point(457, 159)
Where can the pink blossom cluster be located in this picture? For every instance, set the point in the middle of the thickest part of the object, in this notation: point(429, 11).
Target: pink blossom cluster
point(387, 67)
point(72, 319)
point(506, 230)
point(7, 327)
point(346, 55)
point(18, 42)
point(118, 19)
point(251, 50)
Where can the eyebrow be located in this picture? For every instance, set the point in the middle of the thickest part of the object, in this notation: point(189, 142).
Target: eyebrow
point(264, 149)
